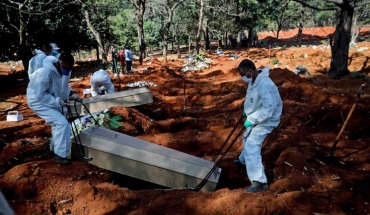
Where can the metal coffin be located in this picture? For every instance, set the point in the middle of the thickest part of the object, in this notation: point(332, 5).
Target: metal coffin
point(147, 161)
point(127, 98)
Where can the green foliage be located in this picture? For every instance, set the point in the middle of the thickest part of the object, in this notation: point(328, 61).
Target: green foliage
point(152, 32)
point(124, 28)
point(114, 122)
point(275, 61)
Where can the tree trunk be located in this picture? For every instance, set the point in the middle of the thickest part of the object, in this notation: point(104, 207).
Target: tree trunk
point(225, 39)
point(220, 43)
point(164, 41)
point(167, 28)
point(300, 29)
point(189, 42)
point(250, 37)
point(355, 29)
point(23, 52)
point(200, 26)
point(207, 42)
point(342, 39)
point(177, 40)
point(97, 36)
point(139, 6)
point(97, 53)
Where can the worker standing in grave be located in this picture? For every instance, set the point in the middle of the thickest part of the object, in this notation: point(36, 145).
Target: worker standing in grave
point(263, 108)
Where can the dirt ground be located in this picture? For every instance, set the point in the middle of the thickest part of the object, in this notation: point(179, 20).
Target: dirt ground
point(303, 179)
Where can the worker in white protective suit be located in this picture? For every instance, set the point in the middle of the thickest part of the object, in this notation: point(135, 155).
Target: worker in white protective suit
point(37, 60)
point(100, 79)
point(263, 108)
point(55, 50)
point(47, 95)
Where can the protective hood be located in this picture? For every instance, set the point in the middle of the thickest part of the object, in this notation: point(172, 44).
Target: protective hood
point(38, 51)
point(265, 72)
point(49, 63)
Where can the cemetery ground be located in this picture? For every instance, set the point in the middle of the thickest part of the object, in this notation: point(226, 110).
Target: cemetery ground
point(193, 112)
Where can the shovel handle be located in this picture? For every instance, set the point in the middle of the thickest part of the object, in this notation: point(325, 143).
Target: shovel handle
point(342, 129)
point(359, 92)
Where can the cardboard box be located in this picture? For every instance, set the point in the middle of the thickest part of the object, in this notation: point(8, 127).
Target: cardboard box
point(13, 116)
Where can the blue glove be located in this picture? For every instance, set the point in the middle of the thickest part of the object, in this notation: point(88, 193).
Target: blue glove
point(247, 124)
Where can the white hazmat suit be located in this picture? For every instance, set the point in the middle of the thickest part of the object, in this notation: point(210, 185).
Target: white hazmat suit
point(36, 61)
point(46, 88)
point(263, 106)
point(99, 78)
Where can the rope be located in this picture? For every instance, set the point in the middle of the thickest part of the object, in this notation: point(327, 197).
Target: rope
point(217, 163)
point(227, 139)
point(215, 166)
point(76, 137)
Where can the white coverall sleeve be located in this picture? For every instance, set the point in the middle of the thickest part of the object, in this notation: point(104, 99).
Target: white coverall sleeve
point(267, 94)
point(40, 90)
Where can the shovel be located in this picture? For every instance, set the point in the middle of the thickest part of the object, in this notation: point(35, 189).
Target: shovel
point(359, 92)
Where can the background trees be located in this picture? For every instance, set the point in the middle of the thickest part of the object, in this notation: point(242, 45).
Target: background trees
point(95, 24)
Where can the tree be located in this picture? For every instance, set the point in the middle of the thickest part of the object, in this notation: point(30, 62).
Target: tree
point(200, 25)
point(360, 18)
point(99, 23)
point(342, 36)
point(19, 23)
point(139, 10)
point(39, 22)
point(256, 15)
point(165, 9)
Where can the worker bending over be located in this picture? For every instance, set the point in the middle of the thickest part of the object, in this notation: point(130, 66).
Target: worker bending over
point(98, 79)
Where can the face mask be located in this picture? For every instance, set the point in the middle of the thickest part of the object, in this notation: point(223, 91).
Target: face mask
point(65, 71)
point(246, 80)
point(54, 53)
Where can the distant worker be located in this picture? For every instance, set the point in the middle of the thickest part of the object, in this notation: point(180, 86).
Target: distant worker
point(263, 108)
point(142, 48)
point(56, 49)
point(47, 95)
point(129, 58)
point(122, 59)
point(36, 61)
point(115, 59)
point(98, 79)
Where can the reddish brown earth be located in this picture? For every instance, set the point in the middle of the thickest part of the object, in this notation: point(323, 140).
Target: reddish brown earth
point(303, 179)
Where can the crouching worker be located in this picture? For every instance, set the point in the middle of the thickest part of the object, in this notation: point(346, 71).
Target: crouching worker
point(98, 79)
point(263, 108)
point(47, 95)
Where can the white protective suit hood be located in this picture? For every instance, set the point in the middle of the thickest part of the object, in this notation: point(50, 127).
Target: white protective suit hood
point(263, 104)
point(36, 61)
point(49, 62)
point(38, 51)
